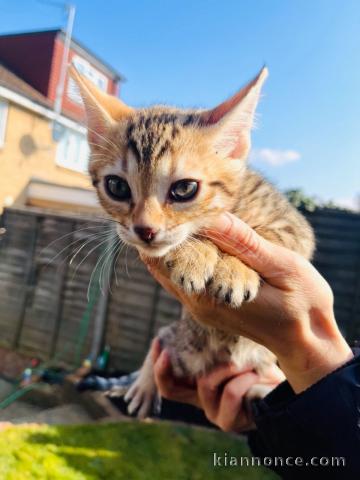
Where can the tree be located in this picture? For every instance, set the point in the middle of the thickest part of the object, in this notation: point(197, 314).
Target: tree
point(300, 200)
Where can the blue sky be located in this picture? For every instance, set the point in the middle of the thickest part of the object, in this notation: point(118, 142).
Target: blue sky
point(196, 53)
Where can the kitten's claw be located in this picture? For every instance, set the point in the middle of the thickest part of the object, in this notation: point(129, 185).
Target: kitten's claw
point(199, 267)
point(233, 282)
point(192, 266)
point(228, 296)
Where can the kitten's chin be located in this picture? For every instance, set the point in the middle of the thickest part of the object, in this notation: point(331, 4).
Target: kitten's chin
point(155, 252)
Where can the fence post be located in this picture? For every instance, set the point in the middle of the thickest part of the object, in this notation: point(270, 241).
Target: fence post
point(29, 275)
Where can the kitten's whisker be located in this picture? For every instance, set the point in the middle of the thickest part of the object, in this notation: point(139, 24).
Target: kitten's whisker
point(73, 253)
point(97, 237)
point(91, 237)
point(126, 260)
point(96, 266)
point(111, 263)
point(122, 246)
point(87, 255)
point(109, 219)
point(64, 236)
point(105, 256)
point(108, 262)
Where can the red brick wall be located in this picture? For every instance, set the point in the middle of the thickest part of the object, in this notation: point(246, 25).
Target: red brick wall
point(29, 57)
point(68, 104)
point(37, 58)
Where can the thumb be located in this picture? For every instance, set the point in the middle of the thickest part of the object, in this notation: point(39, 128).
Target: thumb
point(235, 237)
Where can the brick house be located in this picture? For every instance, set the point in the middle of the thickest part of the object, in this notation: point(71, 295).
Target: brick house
point(39, 165)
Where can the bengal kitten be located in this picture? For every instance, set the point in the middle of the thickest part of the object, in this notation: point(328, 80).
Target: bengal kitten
point(163, 174)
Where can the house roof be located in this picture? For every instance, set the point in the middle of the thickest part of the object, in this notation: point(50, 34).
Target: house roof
point(16, 84)
point(11, 81)
point(76, 45)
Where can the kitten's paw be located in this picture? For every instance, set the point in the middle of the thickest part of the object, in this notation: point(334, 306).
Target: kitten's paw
point(140, 397)
point(116, 391)
point(192, 265)
point(233, 282)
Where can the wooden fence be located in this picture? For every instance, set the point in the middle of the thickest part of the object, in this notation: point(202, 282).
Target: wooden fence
point(337, 257)
point(44, 306)
point(44, 309)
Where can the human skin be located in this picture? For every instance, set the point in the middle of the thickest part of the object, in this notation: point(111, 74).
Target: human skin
point(292, 316)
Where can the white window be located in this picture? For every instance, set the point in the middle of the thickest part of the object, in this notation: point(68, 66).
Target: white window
point(73, 151)
point(3, 120)
point(86, 69)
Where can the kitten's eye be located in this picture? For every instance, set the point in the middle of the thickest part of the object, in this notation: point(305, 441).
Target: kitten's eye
point(117, 188)
point(183, 190)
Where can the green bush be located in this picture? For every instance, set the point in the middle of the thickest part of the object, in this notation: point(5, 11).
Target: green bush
point(121, 451)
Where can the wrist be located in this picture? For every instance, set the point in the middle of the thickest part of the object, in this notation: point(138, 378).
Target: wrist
point(316, 353)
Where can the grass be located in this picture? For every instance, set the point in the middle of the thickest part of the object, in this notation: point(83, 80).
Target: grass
point(121, 451)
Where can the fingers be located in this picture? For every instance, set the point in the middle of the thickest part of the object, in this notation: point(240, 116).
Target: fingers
point(221, 395)
point(219, 375)
point(163, 374)
point(232, 416)
point(170, 387)
point(236, 238)
point(155, 349)
point(272, 375)
point(210, 387)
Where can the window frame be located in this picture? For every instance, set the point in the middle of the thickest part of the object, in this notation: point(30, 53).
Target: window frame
point(4, 110)
point(70, 147)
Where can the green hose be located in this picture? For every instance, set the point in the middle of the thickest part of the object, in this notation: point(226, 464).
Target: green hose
point(15, 394)
point(83, 330)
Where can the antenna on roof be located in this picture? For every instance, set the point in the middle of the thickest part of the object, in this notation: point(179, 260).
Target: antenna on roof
point(57, 128)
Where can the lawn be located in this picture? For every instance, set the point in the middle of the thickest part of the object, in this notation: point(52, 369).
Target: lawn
point(121, 451)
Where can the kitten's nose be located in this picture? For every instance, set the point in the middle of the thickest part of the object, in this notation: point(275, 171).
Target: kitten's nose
point(147, 234)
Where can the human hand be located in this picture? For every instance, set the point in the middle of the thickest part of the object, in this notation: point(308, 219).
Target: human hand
point(221, 394)
point(292, 314)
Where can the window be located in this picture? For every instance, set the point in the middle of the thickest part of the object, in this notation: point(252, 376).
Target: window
point(3, 119)
point(73, 151)
point(86, 69)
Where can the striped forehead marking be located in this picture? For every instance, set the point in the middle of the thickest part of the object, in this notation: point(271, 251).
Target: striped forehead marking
point(150, 136)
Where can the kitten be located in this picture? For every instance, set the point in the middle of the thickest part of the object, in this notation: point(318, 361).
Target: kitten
point(163, 174)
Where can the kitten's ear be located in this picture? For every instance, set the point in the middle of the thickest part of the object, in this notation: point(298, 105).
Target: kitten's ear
point(102, 110)
point(231, 121)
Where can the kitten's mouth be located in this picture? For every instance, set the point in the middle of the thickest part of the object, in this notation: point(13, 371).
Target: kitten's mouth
point(155, 250)
point(156, 247)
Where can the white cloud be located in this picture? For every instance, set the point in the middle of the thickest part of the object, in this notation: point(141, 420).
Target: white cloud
point(352, 203)
point(273, 157)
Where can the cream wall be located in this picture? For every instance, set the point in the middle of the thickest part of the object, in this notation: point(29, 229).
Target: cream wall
point(16, 168)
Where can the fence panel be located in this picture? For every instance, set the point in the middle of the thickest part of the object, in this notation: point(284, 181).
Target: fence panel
point(44, 305)
point(337, 257)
